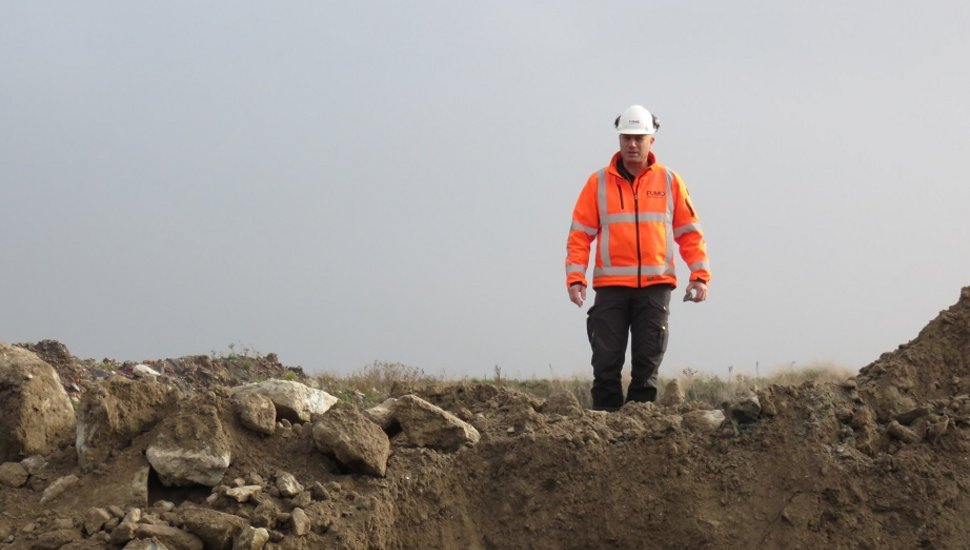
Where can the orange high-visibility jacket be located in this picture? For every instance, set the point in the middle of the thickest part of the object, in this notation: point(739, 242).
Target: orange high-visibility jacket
point(635, 226)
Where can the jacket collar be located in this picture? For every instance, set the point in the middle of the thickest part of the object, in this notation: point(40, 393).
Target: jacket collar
point(617, 168)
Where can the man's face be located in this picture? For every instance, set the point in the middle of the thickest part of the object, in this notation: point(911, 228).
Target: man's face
point(635, 148)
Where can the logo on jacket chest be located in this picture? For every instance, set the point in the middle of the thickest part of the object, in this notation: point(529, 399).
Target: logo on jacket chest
point(654, 193)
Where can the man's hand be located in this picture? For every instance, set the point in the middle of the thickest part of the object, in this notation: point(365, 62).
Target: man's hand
point(577, 294)
point(696, 292)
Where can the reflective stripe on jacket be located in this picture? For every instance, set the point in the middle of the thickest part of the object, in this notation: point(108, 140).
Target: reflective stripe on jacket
point(635, 225)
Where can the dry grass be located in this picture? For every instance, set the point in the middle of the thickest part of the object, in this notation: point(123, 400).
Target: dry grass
point(373, 383)
point(714, 391)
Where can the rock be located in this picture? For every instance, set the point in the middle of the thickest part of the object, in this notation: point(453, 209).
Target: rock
point(244, 493)
point(13, 474)
point(55, 489)
point(265, 515)
point(167, 535)
point(133, 516)
point(114, 412)
point(54, 539)
point(137, 492)
point(145, 544)
point(936, 426)
point(144, 371)
point(319, 492)
point(216, 529)
point(123, 533)
point(745, 408)
point(300, 522)
point(703, 421)
point(94, 520)
point(767, 400)
point(164, 505)
point(563, 402)
point(902, 433)
point(191, 447)
point(673, 395)
point(383, 414)
point(357, 443)
point(34, 464)
point(294, 401)
point(251, 538)
point(302, 500)
point(910, 416)
point(62, 523)
point(37, 412)
point(427, 425)
point(256, 412)
point(288, 485)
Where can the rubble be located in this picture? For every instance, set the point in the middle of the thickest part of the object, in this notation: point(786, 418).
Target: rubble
point(876, 461)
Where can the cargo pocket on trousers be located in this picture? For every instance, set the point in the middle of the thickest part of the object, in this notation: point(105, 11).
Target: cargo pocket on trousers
point(590, 331)
point(661, 307)
point(663, 337)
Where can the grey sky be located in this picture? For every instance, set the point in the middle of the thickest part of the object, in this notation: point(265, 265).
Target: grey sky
point(347, 182)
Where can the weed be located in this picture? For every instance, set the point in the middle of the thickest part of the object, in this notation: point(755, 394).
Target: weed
point(245, 355)
point(109, 365)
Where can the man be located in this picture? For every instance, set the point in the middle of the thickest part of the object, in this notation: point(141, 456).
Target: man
point(636, 209)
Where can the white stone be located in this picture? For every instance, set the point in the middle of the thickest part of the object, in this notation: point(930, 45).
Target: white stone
point(292, 399)
point(703, 421)
point(55, 489)
point(244, 493)
point(144, 371)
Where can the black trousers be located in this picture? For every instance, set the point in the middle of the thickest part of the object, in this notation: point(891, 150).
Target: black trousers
point(616, 313)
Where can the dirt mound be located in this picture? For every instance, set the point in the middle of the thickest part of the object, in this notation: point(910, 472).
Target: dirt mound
point(879, 461)
point(192, 373)
point(933, 366)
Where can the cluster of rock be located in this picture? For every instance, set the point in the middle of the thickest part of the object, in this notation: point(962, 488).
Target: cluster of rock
point(187, 526)
point(190, 446)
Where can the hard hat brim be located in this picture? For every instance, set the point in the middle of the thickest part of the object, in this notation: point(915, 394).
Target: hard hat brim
point(637, 132)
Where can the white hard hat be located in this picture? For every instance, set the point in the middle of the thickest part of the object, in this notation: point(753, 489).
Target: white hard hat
point(636, 120)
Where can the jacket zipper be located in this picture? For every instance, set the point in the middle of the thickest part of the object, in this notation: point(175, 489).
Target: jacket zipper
point(636, 227)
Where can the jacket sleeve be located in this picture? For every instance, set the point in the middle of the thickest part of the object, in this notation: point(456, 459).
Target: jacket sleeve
point(689, 235)
point(584, 228)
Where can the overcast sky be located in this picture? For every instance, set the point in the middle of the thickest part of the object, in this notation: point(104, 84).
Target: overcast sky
point(345, 182)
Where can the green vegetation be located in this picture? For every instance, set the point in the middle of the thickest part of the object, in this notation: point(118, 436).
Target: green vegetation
point(246, 357)
point(108, 365)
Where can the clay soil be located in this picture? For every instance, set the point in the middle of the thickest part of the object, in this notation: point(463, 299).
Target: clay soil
point(879, 461)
